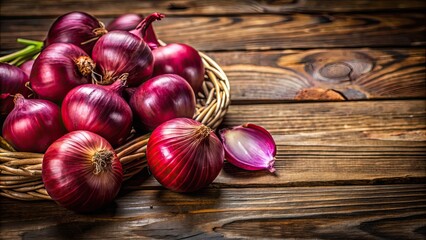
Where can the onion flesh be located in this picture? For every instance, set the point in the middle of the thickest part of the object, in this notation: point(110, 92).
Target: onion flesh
point(250, 147)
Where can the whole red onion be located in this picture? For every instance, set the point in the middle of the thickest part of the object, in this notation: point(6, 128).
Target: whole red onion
point(12, 81)
point(120, 52)
point(184, 155)
point(78, 28)
point(81, 171)
point(180, 59)
point(33, 124)
point(175, 58)
point(99, 109)
point(249, 147)
point(125, 22)
point(27, 67)
point(162, 98)
point(146, 30)
point(58, 69)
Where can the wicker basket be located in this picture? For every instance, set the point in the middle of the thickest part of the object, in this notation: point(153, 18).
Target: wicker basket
point(20, 172)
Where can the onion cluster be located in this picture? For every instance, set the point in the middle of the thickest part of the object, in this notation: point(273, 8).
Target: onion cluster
point(79, 113)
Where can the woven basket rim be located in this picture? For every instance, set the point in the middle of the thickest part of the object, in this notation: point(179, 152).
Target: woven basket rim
point(20, 172)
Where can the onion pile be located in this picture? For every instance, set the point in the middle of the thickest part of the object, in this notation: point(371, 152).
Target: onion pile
point(79, 114)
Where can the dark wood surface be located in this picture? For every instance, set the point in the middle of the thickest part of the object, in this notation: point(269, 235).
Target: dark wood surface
point(341, 86)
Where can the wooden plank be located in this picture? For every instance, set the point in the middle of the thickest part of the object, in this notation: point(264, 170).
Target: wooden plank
point(331, 143)
point(208, 7)
point(354, 73)
point(263, 32)
point(349, 212)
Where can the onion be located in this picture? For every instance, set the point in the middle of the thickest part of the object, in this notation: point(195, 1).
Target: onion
point(175, 58)
point(249, 147)
point(125, 22)
point(146, 30)
point(27, 67)
point(184, 155)
point(78, 28)
point(99, 109)
point(119, 52)
point(162, 98)
point(58, 69)
point(81, 171)
point(33, 124)
point(12, 81)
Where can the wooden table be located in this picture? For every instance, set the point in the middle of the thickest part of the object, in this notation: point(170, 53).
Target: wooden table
point(341, 85)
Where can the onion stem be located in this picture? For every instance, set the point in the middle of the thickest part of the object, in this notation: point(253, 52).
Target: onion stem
point(20, 56)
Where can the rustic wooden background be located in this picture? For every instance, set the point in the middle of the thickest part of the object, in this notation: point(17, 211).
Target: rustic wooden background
point(341, 85)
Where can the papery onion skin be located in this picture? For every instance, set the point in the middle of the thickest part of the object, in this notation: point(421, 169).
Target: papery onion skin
point(184, 155)
point(99, 109)
point(250, 147)
point(81, 171)
point(12, 81)
point(33, 124)
point(27, 67)
point(78, 28)
point(182, 60)
point(119, 52)
point(125, 22)
point(59, 68)
point(162, 98)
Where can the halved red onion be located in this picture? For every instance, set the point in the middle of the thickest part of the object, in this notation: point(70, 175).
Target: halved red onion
point(184, 155)
point(249, 147)
point(59, 68)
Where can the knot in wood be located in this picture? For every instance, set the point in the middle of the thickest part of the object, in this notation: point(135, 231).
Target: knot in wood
point(338, 71)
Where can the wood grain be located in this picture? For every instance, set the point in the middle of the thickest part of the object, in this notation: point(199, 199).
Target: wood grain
point(348, 212)
point(263, 32)
point(333, 143)
point(354, 73)
point(208, 7)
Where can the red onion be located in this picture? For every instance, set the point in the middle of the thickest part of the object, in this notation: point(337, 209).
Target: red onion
point(249, 147)
point(12, 81)
point(81, 171)
point(99, 109)
point(27, 67)
point(184, 155)
point(175, 58)
point(58, 69)
point(146, 30)
point(33, 124)
point(125, 22)
point(162, 98)
point(120, 52)
point(78, 28)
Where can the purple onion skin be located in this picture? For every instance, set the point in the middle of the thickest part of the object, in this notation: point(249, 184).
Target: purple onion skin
point(184, 155)
point(182, 60)
point(160, 99)
point(33, 125)
point(12, 81)
point(119, 52)
point(55, 71)
point(98, 109)
point(27, 67)
point(249, 147)
point(125, 22)
point(76, 28)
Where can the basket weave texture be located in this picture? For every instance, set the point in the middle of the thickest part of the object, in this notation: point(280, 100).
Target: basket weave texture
point(20, 172)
